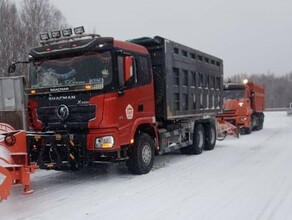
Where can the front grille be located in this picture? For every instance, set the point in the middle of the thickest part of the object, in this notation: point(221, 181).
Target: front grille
point(48, 114)
point(229, 112)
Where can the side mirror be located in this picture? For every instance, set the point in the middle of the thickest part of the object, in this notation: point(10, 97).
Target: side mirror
point(11, 68)
point(130, 77)
point(127, 71)
point(128, 68)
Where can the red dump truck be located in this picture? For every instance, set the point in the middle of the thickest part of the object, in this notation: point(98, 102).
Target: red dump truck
point(95, 99)
point(244, 105)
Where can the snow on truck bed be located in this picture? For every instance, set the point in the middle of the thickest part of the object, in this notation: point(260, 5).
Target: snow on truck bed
point(246, 178)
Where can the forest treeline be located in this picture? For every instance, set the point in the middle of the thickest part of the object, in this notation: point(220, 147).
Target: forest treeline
point(21, 24)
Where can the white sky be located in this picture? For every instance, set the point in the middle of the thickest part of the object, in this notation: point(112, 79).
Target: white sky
point(252, 36)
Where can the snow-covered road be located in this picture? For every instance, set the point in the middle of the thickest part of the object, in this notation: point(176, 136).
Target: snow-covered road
point(246, 178)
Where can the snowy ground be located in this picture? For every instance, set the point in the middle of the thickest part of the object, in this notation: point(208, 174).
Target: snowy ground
point(246, 178)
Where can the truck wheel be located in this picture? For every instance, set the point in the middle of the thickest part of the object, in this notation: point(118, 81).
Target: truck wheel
point(142, 156)
point(261, 125)
point(198, 141)
point(210, 136)
point(247, 130)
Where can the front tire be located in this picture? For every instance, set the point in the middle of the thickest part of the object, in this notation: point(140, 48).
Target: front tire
point(262, 118)
point(247, 130)
point(141, 157)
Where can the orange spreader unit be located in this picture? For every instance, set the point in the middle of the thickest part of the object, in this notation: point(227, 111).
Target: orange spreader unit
point(14, 166)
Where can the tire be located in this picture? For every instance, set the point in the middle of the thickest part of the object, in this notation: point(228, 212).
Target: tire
point(210, 136)
point(256, 119)
point(260, 122)
point(141, 157)
point(247, 130)
point(261, 125)
point(198, 141)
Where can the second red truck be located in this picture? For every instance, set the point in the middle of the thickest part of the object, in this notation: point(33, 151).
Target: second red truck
point(244, 105)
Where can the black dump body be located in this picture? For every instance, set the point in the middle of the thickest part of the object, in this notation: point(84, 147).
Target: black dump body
point(188, 82)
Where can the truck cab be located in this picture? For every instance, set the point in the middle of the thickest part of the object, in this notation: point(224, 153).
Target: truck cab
point(94, 91)
point(243, 106)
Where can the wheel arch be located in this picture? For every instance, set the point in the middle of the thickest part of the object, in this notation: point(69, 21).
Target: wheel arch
point(148, 129)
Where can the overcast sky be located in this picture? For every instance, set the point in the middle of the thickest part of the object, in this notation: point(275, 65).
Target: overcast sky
point(251, 36)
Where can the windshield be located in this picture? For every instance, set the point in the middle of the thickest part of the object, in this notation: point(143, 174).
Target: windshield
point(234, 94)
point(85, 69)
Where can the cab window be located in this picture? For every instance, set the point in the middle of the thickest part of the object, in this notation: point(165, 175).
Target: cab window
point(143, 73)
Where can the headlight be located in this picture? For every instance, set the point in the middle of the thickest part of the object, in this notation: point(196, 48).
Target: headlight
point(105, 142)
point(243, 119)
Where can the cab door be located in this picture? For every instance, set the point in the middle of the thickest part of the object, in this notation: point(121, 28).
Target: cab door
point(136, 95)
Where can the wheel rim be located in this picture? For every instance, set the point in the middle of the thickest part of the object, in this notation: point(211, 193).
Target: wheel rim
point(146, 154)
point(212, 134)
point(201, 141)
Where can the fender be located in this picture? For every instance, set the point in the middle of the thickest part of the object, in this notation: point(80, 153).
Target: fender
point(151, 121)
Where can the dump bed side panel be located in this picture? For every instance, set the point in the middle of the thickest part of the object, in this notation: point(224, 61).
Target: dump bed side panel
point(257, 97)
point(188, 82)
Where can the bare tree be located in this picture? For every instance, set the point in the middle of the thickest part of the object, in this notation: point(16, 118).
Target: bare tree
point(39, 16)
point(20, 30)
point(10, 35)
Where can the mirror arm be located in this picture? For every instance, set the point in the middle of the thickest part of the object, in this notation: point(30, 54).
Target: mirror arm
point(123, 53)
point(12, 66)
point(121, 91)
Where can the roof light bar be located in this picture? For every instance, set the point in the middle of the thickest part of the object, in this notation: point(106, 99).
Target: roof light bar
point(79, 30)
point(56, 34)
point(44, 36)
point(67, 32)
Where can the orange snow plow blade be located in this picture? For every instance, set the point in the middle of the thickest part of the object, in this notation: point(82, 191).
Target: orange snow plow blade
point(225, 128)
point(14, 166)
